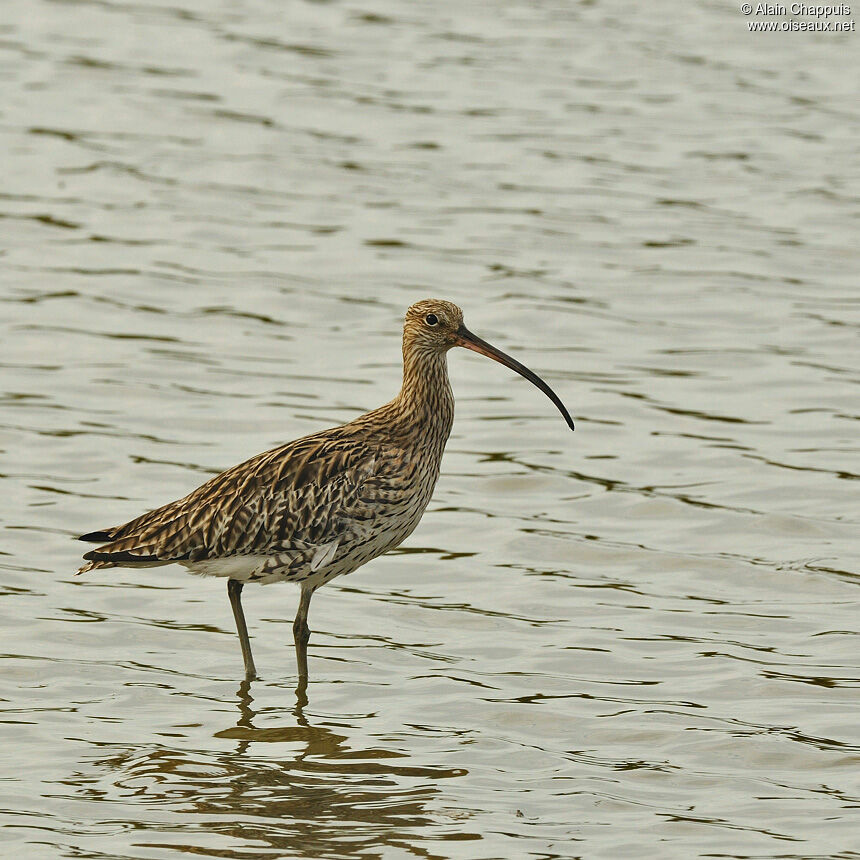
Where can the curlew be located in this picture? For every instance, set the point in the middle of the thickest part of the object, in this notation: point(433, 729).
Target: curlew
point(325, 504)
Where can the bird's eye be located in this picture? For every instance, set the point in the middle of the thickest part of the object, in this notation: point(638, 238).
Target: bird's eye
point(431, 319)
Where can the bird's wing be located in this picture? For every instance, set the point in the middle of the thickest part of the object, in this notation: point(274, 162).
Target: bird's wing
point(300, 496)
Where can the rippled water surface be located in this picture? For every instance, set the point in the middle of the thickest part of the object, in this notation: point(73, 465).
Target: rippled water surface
point(636, 640)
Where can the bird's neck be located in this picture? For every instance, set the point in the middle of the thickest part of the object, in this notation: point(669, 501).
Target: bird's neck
point(426, 401)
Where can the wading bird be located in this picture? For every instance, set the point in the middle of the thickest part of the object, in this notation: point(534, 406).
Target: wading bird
point(321, 506)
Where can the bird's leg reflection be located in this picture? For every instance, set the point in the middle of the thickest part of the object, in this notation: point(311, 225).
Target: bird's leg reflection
point(317, 741)
point(246, 713)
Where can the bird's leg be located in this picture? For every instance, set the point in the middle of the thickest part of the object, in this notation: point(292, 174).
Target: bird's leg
point(301, 632)
point(301, 698)
point(234, 590)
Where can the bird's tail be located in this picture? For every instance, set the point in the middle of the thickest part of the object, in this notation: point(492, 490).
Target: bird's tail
point(95, 565)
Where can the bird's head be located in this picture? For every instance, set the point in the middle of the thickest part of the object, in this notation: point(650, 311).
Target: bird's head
point(432, 325)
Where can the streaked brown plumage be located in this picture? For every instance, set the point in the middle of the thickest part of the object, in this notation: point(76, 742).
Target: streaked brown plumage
point(321, 506)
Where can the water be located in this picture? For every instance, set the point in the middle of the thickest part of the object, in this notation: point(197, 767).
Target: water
point(636, 640)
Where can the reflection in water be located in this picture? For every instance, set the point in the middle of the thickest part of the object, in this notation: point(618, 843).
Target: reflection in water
point(325, 797)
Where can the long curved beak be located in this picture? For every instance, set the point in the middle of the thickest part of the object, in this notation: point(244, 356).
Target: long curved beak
point(471, 341)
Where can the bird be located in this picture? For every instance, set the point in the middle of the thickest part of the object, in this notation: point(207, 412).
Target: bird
point(325, 504)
